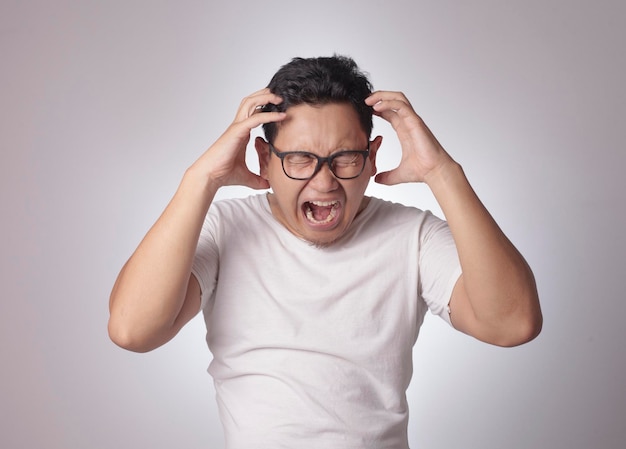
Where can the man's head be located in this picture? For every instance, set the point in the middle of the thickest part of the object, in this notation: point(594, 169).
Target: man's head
point(318, 81)
point(319, 190)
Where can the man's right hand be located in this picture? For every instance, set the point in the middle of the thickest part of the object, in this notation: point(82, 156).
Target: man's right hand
point(224, 163)
point(155, 294)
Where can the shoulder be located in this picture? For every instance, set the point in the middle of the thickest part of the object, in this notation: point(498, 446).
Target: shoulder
point(392, 220)
point(235, 214)
point(390, 212)
point(248, 204)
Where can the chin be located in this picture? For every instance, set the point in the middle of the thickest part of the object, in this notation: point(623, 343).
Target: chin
point(321, 244)
point(319, 240)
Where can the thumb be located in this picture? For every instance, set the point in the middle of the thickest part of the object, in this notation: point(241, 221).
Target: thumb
point(256, 182)
point(387, 178)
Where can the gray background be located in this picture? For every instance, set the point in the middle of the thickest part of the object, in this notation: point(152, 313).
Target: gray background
point(104, 104)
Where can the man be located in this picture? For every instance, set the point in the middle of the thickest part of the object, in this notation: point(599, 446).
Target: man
point(313, 294)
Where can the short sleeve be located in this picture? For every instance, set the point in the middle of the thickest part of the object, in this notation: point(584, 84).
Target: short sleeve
point(439, 266)
point(206, 260)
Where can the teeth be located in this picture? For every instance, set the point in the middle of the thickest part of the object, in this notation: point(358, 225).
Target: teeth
point(331, 215)
point(324, 203)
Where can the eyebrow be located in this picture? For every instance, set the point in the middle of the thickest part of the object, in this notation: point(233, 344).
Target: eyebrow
point(338, 149)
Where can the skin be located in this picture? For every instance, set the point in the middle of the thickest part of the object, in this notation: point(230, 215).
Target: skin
point(495, 300)
point(155, 294)
point(322, 130)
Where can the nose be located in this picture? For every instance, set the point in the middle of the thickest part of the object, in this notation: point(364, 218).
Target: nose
point(324, 180)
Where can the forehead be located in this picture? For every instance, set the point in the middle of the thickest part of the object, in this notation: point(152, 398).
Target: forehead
point(322, 128)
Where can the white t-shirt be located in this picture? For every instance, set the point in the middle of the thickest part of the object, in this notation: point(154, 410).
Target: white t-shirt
point(313, 346)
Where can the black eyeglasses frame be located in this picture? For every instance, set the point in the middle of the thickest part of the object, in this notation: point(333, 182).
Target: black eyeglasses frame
point(320, 161)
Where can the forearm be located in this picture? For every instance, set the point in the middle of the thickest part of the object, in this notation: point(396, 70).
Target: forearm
point(498, 282)
point(495, 299)
point(155, 294)
point(149, 294)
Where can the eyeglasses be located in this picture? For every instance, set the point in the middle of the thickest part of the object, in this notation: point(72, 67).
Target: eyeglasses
point(302, 165)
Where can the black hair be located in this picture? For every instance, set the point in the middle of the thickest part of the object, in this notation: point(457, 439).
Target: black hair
point(318, 81)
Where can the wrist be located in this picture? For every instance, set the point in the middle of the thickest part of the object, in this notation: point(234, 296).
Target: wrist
point(444, 175)
point(196, 180)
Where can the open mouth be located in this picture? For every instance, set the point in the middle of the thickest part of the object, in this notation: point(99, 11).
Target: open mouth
point(320, 212)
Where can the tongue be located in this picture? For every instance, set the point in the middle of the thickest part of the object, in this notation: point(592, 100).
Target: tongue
point(320, 213)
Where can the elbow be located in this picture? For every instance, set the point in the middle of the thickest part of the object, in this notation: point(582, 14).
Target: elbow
point(126, 337)
point(519, 336)
point(533, 327)
point(525, 320)
point(522, 330)
point(531, 321)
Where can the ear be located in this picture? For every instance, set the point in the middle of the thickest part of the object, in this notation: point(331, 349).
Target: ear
point(374, 146)
point(263, 151)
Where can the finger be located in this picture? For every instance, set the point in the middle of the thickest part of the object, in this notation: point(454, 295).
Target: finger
point(242, 176)
point(394, 111)
point(265, 92)
point(387, 178)
point(240, 130)
point(394, 105)
point(261, 118)
point(255, 182)
point(254, 103)
point(382, 95)
point(383, 102)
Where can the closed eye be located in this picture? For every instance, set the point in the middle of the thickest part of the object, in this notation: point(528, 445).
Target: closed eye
point(347, 158)
point(298, 158)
